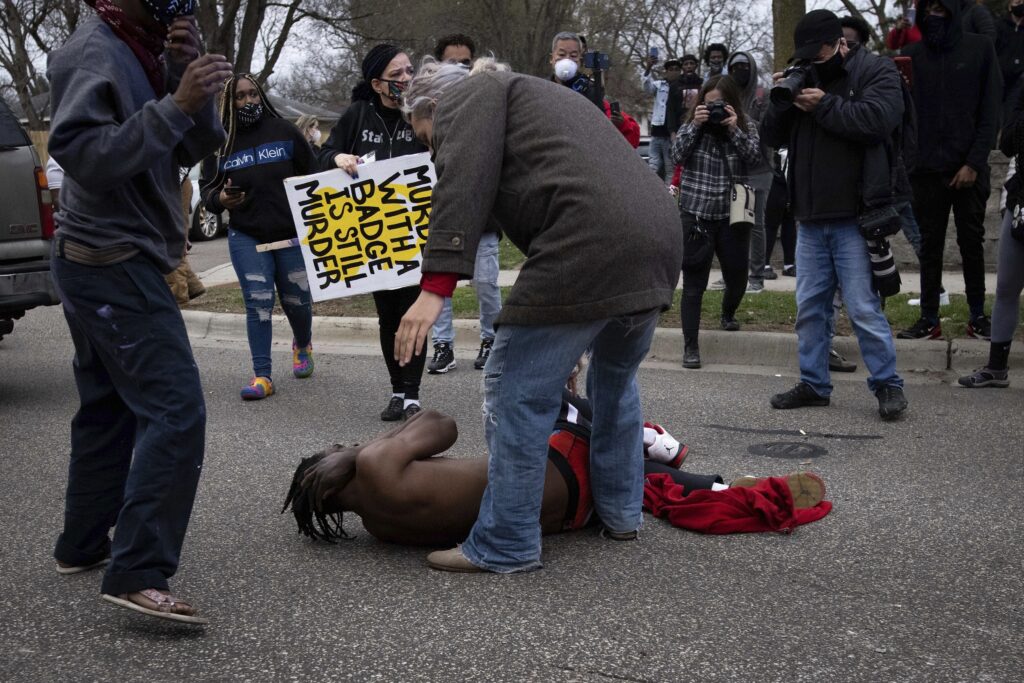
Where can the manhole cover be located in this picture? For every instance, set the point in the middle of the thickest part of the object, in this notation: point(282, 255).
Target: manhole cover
point(787, 449)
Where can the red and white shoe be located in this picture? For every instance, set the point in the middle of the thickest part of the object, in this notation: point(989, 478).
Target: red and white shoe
point(660, 446)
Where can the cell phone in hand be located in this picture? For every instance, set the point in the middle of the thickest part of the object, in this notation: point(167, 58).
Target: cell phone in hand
point(615, 108)
point(233, 190)
point(910, 15)
point(652, 52)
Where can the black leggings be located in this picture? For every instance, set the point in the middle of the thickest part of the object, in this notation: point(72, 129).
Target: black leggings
point(391, 306)
point(731, 245)
point(777, 215)
point(689, 482)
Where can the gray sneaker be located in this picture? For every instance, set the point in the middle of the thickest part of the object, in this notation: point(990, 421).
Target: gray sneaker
point(717, 285)
point(986, 377)
point(443, 360)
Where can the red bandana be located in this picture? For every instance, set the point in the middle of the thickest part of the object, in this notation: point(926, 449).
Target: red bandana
point(147, 45)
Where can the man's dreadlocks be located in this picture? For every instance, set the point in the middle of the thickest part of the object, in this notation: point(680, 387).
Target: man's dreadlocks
point(312, 522)
point(229, 119)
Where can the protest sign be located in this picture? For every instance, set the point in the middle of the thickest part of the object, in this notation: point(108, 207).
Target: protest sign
point(363, 234)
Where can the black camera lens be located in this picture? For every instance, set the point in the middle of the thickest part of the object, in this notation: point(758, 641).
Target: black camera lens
point(716, 112)
point(793, 81)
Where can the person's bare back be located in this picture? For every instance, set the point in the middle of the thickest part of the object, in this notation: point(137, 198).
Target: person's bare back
point(401, 491)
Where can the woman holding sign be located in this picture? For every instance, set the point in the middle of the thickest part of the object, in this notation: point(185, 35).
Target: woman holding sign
point(373, 124)
point(262, 150)
point(601, 237)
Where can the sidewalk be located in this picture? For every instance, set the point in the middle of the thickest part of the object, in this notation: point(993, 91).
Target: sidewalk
point(952, 280)
point(750, 349)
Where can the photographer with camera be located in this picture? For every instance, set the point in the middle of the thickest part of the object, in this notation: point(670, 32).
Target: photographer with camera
point(567, 57)
point(715, 147)
point(836, 110)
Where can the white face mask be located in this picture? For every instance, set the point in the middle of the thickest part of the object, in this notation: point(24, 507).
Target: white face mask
point(316, 136)
point(565, 69)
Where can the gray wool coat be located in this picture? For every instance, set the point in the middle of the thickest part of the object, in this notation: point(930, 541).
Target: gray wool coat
point(600, 231)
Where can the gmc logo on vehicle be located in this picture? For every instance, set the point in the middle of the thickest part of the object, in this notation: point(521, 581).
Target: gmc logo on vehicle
point(23, 228)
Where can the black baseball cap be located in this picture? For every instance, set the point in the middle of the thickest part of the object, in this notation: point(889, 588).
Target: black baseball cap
point(673, 64)
point(818, 27)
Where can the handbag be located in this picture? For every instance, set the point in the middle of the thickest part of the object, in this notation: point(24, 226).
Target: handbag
point(741, 199)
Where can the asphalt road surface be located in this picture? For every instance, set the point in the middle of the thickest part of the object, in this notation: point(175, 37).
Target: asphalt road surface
point(916, 575)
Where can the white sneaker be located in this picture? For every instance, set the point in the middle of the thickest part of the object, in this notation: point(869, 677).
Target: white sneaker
point(660, 446)
point(753, 288)
point(717, 285)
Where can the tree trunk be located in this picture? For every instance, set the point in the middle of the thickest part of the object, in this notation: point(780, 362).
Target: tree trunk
point(786, 14)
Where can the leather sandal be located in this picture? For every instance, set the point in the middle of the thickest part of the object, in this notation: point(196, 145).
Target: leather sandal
point(156, 604)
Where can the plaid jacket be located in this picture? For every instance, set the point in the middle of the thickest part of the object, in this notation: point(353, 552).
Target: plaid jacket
point(706, 183)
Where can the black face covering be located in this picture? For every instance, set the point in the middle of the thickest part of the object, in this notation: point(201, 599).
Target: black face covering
point(933, 29)
point(830, 69)
point(741, 76)
point(250, 115)
point(1017, 11)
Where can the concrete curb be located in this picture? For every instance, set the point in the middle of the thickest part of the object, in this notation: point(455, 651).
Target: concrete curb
point(758, 349)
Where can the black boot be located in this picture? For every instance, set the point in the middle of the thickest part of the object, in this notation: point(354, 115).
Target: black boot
point(691, 354)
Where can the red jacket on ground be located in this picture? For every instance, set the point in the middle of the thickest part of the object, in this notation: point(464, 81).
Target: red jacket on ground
point(768, 506)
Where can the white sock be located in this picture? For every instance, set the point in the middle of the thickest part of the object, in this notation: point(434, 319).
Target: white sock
point(397, 395)
point(719, 487)
point(410, 402)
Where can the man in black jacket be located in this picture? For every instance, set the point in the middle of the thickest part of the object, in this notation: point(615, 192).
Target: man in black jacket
point(956, 94)
point(836, 131)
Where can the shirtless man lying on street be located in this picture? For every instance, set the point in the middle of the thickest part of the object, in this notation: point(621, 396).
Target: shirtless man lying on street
point(404, 494)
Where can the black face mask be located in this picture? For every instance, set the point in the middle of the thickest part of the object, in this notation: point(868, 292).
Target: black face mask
point(934, 29)
point(1017, 11)
point(741, 76)
point(250, 115)
point(830, 69)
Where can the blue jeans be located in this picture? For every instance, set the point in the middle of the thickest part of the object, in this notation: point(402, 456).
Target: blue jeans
point(660, 160)
point(137, 439)
point(831, 254)
point(488, 293)
point(523, 382)
point(911, 230)
point(258, 272)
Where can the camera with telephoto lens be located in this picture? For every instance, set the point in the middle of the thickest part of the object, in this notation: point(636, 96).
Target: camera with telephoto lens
point(794, 79)
point(716, 112)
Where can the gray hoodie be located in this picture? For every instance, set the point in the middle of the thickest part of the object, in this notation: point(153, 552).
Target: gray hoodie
point(753, 108)
point(121, 148)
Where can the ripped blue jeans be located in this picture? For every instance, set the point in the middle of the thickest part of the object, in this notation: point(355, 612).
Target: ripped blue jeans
point(258, 273)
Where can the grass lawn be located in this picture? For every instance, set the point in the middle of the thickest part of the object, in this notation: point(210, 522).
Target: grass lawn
point(767, 311)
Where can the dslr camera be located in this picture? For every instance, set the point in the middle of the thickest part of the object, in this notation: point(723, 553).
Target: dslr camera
point(716, 112)
point(794, 79)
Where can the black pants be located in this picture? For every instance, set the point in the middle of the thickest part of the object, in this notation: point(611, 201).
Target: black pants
point(137, 439)
point(731, 246)
point(391, 306)
point(777, 215)
point(933, 199)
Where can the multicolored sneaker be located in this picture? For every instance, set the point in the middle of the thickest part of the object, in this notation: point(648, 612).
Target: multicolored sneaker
point(660, 446)
point(302, 361)
point(259, 387)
